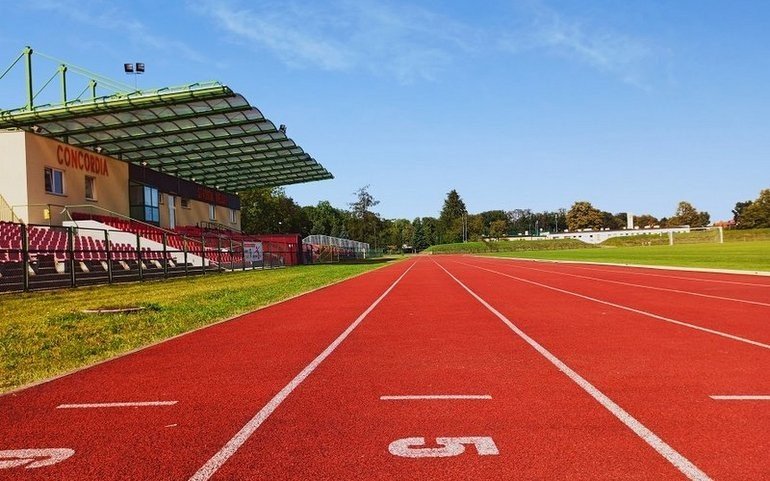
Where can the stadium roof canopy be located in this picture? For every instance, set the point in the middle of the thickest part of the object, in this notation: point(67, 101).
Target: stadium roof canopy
point(203, 132)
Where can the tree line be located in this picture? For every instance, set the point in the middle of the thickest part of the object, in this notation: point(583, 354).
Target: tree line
point(271, 210)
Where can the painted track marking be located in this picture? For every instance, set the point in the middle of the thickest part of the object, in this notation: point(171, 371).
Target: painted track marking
point(633, 270)
point(33, 458)
point(116, 405)
point(414, 397)
point(642, 286)
point(743, 397)
point(626, 308)
point(684, 465)
point(220, 458)
point(412, 447)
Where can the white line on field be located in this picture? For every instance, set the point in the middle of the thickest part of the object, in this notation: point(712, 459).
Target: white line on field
point(116, 405)
point(220, 458)
point(626, 308)
point(746, 397)
point(414, 397)
point(642, 286)
point(684, 465)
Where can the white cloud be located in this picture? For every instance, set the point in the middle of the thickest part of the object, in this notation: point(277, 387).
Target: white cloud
point(615, 53)
point(413, 43)
point(406, 42)
point(106, 16)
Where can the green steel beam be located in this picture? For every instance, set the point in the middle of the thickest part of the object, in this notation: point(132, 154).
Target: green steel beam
point(244, 165)
point(137, 123)
point(113, 145)
point(216, 155)
point(63, 73)
point(113, 104)
point(30, 90)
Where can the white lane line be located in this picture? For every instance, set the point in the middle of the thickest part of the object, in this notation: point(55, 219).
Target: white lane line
point(116, 405)
point(415, 397)
point(220, 458)
point(740, 398)
point(684, 465)
point(642, 286)
point(626, 308)
point(634, 271)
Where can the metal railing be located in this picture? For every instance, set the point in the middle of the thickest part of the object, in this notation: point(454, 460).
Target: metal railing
point(34, 257)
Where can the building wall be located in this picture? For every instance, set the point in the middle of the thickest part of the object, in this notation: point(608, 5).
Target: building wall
point(24, 157)
point(111, 180)
point(13, 184)
point(196, 212)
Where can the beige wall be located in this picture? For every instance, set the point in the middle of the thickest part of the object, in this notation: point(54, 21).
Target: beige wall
point(111, 179)
point(24, 156)
point(195, 213)
point(13, 184)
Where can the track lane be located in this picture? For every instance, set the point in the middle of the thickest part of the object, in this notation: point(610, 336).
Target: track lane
point(431, 337)
point(219, 376)
point(748, 321)
point(695, 277)
point(662, 373)
point(740, 293)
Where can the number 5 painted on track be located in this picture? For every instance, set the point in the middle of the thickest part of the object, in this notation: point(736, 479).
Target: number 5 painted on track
point(411, 447)
point(33, 458)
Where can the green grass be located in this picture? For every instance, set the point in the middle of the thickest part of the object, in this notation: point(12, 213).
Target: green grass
point(508, 246)
point(752, 256)
point(44, 334)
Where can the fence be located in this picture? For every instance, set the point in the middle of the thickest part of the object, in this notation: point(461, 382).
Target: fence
point(36, 257)
point(325, 249)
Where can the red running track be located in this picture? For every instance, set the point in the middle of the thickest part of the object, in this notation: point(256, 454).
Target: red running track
point(569, 377)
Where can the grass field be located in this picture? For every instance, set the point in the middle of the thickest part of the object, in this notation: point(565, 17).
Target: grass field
point(751, 256)
point(508, 246)
point(45, 333)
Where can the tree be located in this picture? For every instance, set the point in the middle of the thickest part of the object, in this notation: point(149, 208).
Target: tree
point(645, 220)
point(431, 230)
point(738, 212)
point(686, 214)
point(269, 210)
point(451, 218)
point(757, 215)
point(582, 215)
point(498, 228)
point(419, 241)
point(364, 224)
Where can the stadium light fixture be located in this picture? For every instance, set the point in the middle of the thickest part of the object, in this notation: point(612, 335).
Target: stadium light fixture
point(134, 69)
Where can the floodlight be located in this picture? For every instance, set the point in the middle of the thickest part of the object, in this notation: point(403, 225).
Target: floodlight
point(139, 67)
point(282, 128)
point(128, 67)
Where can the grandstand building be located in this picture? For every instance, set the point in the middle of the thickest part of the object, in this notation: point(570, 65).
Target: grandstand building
point(144, 181)
point(43, 175)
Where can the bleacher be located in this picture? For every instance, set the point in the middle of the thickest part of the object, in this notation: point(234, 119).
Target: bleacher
point(53, 260)
point(89, 258)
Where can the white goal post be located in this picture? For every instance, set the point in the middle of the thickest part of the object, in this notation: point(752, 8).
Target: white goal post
point(698, 235)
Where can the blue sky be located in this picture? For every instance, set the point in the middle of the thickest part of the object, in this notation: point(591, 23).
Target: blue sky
point(632, 106)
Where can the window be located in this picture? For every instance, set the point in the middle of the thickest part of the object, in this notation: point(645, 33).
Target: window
point(184, 202)
point(212, 212)
point(144, 203)
point(90, 188)
point(54, 181)
point(233, 216)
